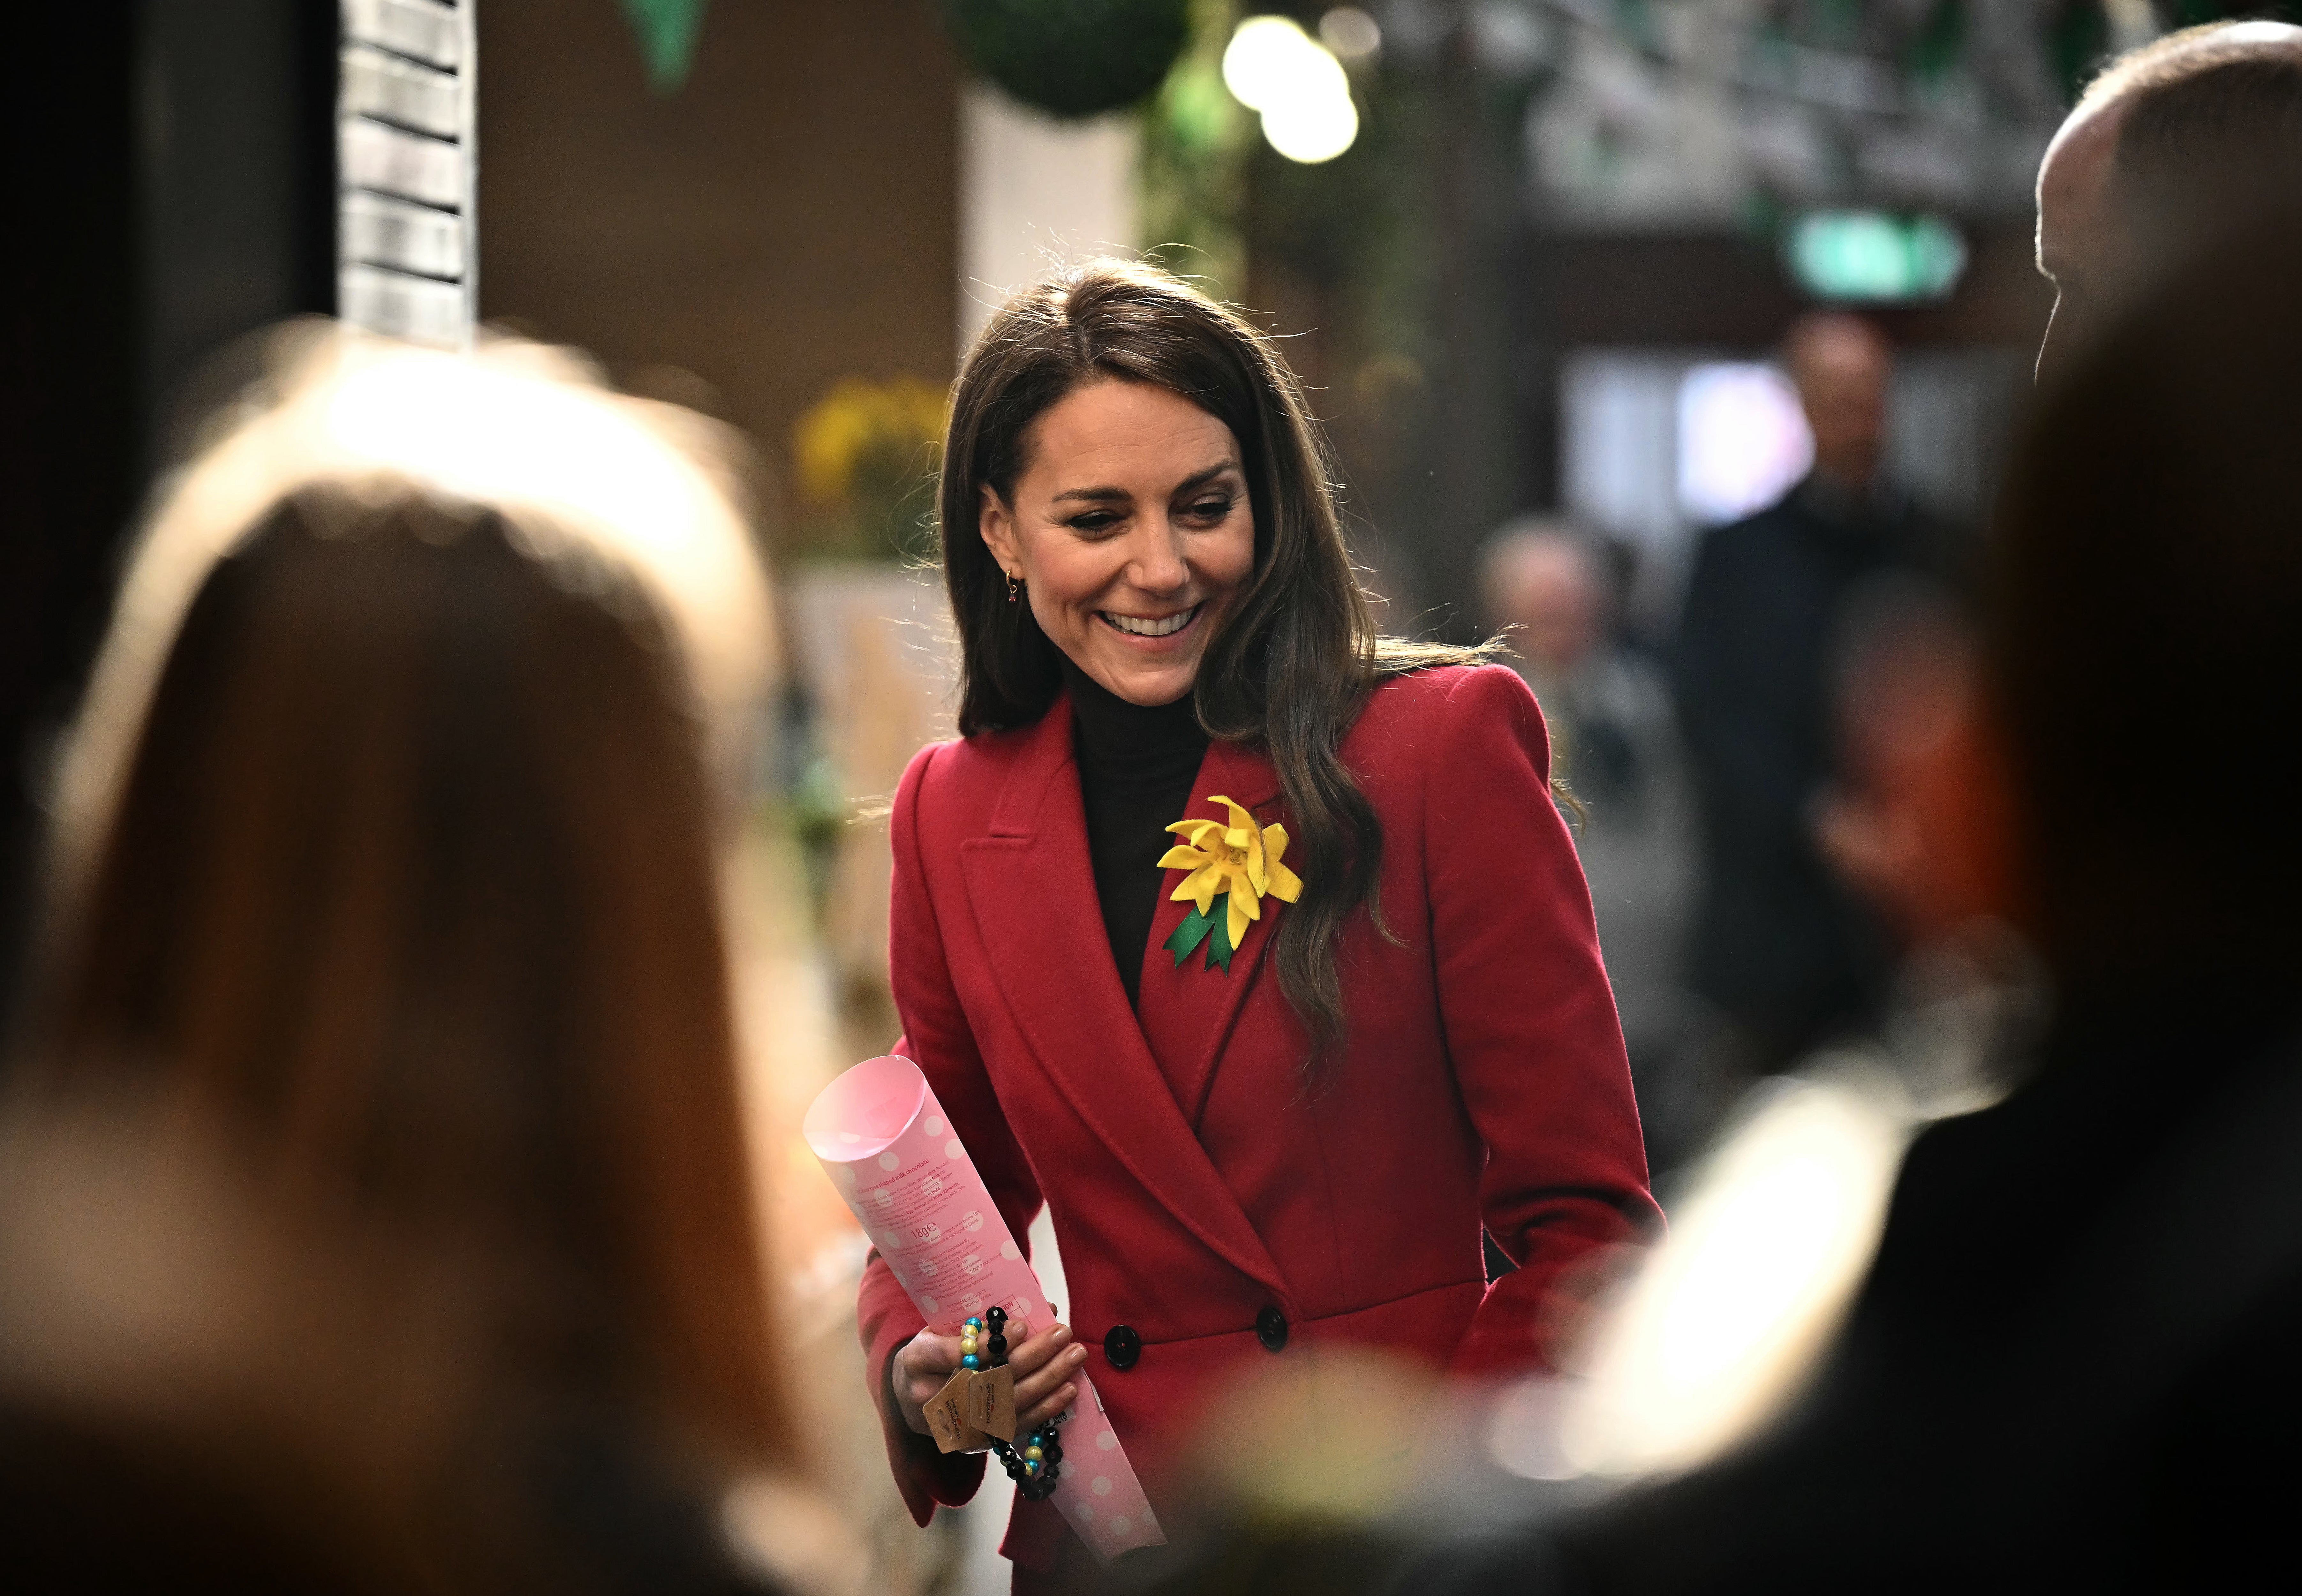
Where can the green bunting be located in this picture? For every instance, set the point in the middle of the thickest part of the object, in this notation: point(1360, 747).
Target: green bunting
point(1196, 928)
point(666, 30)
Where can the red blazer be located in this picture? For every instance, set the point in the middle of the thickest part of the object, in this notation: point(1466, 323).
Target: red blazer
point(1195, 1186)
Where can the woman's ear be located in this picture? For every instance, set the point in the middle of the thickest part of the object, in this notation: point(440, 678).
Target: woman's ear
point(996, 523)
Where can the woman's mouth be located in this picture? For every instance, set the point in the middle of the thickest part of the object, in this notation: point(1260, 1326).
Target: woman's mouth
point(1141, 626)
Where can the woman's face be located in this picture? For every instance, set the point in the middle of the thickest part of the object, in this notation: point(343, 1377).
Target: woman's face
point(1132, 528)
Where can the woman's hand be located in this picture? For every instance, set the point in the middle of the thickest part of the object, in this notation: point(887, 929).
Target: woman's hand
point(1043, 1365)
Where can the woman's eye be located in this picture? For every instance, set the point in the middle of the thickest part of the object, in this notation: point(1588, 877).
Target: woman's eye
point(1094, 521)
point(1209, 509)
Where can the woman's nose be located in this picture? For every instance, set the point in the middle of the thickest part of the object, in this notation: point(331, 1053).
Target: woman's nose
point(1156, 564)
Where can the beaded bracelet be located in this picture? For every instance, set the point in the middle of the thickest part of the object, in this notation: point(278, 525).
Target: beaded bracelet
point(1032, 1465)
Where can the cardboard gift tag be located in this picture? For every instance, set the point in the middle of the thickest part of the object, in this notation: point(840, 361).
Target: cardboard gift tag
point(991, 1402)
point(947, 1413)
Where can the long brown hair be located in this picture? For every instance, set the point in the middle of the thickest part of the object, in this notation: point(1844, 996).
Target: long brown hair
point(409, 870)
point(1289, 670)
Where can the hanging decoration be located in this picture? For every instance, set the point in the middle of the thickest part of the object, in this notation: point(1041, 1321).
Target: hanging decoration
point(1071, 58)
point(668, 30)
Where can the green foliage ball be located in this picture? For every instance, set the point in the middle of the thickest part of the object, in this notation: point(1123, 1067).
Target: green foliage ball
point(1071, 58)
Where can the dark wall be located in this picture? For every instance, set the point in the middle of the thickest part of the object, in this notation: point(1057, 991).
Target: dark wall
point(171, 176)
point(236, 123)
point(786, 218)
point(69, 410)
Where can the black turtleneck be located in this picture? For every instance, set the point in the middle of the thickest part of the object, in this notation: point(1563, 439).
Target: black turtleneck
point(1137, 767)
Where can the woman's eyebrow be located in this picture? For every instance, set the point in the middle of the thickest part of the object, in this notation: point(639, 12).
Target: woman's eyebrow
point(1199, 479)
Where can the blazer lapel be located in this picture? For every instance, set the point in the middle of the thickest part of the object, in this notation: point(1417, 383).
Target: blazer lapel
point(1032, 889)
point(1189, 1010)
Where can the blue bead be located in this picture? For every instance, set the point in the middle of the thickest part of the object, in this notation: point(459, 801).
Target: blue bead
point(970, 1361)
point(975, 1324)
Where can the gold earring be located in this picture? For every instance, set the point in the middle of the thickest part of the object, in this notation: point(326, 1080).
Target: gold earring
point(1013, 587)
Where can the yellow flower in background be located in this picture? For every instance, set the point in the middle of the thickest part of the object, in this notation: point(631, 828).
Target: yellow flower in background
point(859, 423)
point(1240, 862)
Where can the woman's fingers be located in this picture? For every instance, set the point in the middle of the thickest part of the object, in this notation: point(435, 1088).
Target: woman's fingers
point(1028, 1419)
point(1033, 1354)
point(1043, 1368)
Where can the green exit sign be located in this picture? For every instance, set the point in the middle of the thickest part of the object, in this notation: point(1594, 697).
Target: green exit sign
point(1875, 257)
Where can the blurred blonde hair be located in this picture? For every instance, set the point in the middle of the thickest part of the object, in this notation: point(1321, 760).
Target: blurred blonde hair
point(600, 487)
point(392, 838)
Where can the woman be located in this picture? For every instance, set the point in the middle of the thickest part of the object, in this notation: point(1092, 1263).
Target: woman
point(390, 862)
point(1272, 1072)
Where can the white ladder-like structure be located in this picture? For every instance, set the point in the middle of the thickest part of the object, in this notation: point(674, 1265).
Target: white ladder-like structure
point(407, 169)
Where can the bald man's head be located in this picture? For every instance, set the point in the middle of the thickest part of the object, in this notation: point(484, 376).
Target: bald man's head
point(1542, 580)
point(2174, 145)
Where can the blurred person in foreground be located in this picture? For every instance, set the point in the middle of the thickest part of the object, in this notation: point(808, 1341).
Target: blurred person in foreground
point(386, 980)
point(1788, 958)
point(2170, 148)
point(1615, 747)
point(2072, 1364)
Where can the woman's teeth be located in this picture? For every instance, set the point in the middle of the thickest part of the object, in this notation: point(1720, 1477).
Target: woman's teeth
point(1137, 626)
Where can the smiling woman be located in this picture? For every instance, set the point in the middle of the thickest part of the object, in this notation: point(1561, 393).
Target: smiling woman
point(1182, 734)
point(1130, 567)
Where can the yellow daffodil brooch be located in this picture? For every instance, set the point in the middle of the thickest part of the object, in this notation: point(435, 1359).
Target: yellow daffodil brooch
point(1233, 868)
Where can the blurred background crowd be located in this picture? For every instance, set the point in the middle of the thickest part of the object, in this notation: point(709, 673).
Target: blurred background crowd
point(1682, 341)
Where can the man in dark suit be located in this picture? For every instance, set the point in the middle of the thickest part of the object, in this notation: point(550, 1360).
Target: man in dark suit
point(1779, 948)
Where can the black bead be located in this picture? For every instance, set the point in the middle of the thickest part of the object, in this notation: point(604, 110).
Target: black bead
point(994, 1318)
point(998, 1343)
point(1052, 1454)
